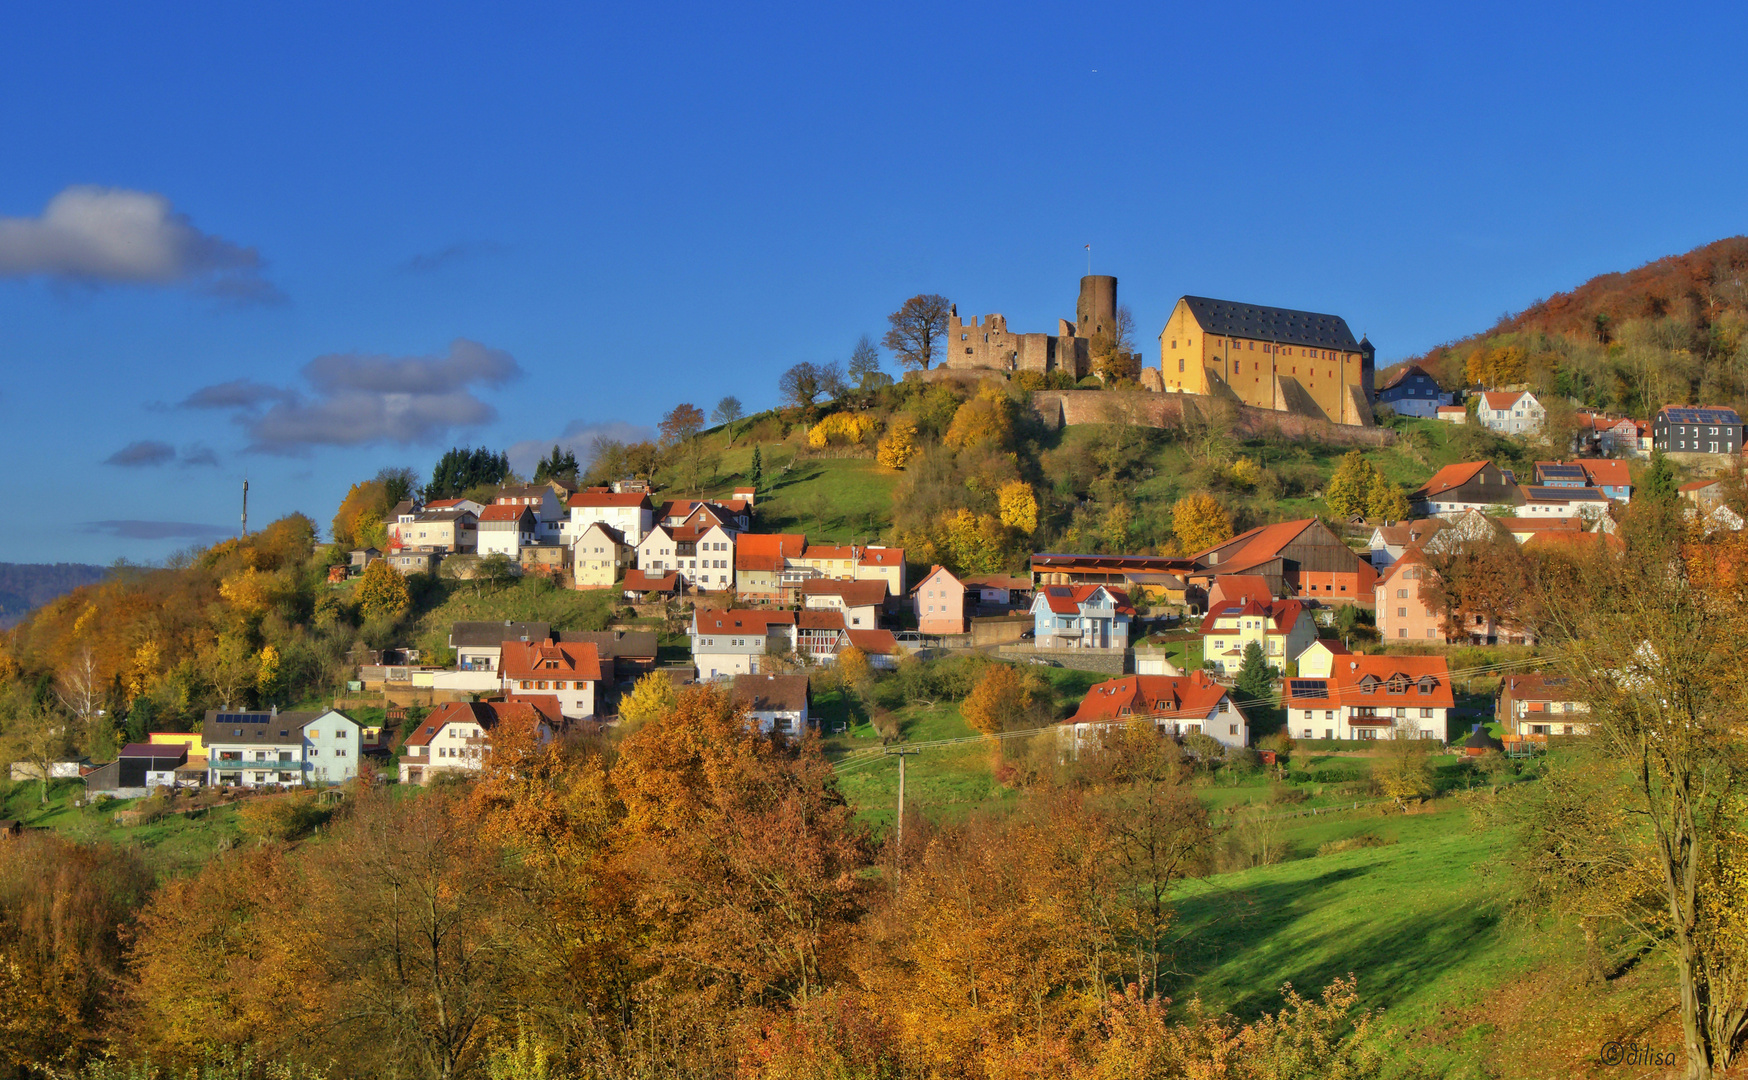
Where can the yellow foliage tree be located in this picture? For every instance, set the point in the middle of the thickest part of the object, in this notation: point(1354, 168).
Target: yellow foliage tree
point(841, 429)
point(1246, 472)
point(971, 543)
point(1019, 506)
point(1200, 521)
point(246, 590)
point(985, 420)
point(267, 674)
point(999, 701)
point(371, 495)
point(382, 591)
point(142, 668)
point(1385, 501)
point(899, 445)
point(651, 699)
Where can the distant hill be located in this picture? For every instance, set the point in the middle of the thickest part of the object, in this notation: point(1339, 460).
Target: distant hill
point(1674, 331)
point(24, 586)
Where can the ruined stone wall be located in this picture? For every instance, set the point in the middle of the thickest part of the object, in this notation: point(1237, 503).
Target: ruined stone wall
point(1058, 407)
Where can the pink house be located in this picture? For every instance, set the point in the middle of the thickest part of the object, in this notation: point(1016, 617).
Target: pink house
point(939, 602)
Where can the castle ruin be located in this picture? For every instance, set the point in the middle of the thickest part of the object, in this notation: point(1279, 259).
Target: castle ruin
point(988, 344)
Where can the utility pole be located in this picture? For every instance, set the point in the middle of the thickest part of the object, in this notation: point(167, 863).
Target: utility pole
point(899, 859)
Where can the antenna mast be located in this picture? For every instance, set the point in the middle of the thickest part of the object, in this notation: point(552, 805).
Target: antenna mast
point(245, 507)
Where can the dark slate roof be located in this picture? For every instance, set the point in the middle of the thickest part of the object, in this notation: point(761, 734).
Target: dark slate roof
point(1224, 318)
point(612, 644)
point(484, 635)
point(230, 728)
point(1700, 416)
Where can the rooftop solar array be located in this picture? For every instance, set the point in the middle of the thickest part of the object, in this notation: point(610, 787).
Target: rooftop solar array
point(1702, 416)
point(244, 718)
point(1307, 688)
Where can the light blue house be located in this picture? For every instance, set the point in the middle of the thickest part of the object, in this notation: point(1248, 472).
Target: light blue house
point(1081, 617)
point(332, 744)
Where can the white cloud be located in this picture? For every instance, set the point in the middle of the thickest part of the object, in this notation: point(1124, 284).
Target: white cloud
point(358, 399)
point(102, 235)
point(577, 437)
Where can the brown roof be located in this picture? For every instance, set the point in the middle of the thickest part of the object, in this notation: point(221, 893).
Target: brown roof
point(1406, 533)
point(1193, 695)
point(231, 726)
point(874, 642)
point(814, 619)
point(766, 551)
point(505, 512)
point(1700, 485)
point(852, 593)
point(1451, 476)
point(710, 621)
point(1346, 686)
point(1257, 546)
point(639, 581)
point(484, 715)
point(1537, 686)
point(771, 693)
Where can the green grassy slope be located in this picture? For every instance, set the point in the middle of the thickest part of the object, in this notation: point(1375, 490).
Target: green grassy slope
point(175, 844)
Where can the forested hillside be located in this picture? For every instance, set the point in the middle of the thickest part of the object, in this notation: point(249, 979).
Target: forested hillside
point(1672, 332)
point(28, 585)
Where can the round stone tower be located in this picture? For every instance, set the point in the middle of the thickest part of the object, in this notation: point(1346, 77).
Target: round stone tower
point(1097, 307)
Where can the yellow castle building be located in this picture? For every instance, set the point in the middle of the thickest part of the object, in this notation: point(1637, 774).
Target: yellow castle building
point(1270, 358)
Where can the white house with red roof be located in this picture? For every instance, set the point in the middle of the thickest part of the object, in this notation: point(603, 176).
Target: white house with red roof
point(1372, 697)
point(733, 642)
point(629, 513)
point(457, 736)
point(703, 556)
point(1176, 705)
point(1510, 412)
point(543, 500)
point(1081, 617)
point(568, 670)
point(1281, 628)
point(859, 601)
point(505, 529)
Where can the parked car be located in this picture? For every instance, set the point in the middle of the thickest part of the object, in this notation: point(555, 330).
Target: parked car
point(1028, 635)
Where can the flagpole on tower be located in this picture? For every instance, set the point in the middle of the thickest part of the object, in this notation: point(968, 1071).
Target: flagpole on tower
point(1089, 260)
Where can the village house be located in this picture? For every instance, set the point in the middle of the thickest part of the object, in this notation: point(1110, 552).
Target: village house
point(1410, 607)
point(629, 513)
point(939, 602)
point(703, 557)
point(1412, 391)
point(254, 749)
point(1227, 589)
point(1510, 412)
point(1452, 414)
point(544, 501)
point(1537, 501)
point(759, 562)
point(776, 704)
point(1174, 705)
point(1372, 697)
point(734, 642)
point(998, 592)
point(505, 529)
point(1319, 659)
point(731, 514)
point(641, 588)
point(1081, 617)
point(1390, 542)
point(1281, 628)
point(859, 601)
point(1535, 706)
point(598, 555)
point(1712, 429)
point(1704, 494)
point(1457, 489)
point(448, 531)
point(333, 744)
point(1304, 559)
point(479, 646)
point(457, 736)
point(569, 671)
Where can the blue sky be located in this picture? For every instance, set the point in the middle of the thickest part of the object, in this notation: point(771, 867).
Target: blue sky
point(231, 236)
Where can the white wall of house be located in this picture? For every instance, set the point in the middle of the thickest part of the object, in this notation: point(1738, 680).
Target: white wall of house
point(332, 745)
point(504, 538)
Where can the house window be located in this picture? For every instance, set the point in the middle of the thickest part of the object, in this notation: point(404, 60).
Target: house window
point(1426, 714)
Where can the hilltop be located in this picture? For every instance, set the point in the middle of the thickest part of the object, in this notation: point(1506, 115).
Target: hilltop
point(24, 586)
point(1674, 331)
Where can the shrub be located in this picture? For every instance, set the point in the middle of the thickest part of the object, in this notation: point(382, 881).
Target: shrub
point(1283, 793)
point(283, 818)
point(1352, 843)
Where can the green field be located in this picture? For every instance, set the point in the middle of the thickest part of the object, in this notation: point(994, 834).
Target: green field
point(174, 844)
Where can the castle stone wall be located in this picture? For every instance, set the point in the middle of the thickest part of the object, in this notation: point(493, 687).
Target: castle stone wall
point(1070, 407)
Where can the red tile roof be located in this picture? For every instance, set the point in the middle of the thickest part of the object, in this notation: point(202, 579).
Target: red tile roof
point(1193, 695)
point(816, 619)
point(1451, 476)
point(1282, 613)
point(829, 551)
point(1503, 399)
point(1699, 485)
point(1066, 599)
point(602, 499)
point(484, 715)
point(1231, 587)
point(1256, 546)
point(882, 556)
point(1605, 473)
point(1540, 524)
point(505, 512)
point(874, 642)
point(1573, 538)
point(639, 581)
point(550, 659)
point(766, 551)
point(1345, 687)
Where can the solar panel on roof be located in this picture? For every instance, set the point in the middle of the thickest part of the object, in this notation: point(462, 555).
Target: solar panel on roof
point(1307, 688)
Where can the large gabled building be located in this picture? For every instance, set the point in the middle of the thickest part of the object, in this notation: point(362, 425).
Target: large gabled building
point(1269, 358)
point(1302, 558)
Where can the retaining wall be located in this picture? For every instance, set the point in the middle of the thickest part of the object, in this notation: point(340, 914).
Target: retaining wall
point(1112, 662)
point(1069, 407)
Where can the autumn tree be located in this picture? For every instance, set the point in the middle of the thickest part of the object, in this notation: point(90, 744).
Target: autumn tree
point(232, 668)
point(917, 329)
point(651, 698)
point(1112, 350)
point(1489, 578)
point(1200, 522)
point(1350, 487)
point(382, 591)
point(1653, 639)
point(728, 412)
point(744, 852)
point(1019, 506)
point(36, 734)
point(985, 420)
point(368, 497)
point(1002, 699)
point(969, 542)
point(1385, 501)
point(898, 445)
